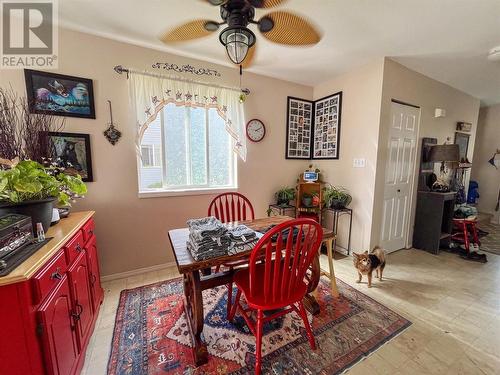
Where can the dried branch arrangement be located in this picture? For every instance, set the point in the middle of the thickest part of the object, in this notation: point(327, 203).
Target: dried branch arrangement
point(23, 134)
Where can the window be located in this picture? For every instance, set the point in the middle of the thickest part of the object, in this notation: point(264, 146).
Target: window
point(186, 148)
point(151, 155)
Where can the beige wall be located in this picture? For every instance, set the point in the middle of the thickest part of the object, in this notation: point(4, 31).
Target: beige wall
point(487, 142)
point(408, 86)
point(362, 91)
point(132, 232)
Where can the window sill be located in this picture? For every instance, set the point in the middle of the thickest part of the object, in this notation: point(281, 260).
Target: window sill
point(180, 193)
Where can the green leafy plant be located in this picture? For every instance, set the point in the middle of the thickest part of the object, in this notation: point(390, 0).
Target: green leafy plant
point(285, 195)
point(336, 197)
point(31, 181)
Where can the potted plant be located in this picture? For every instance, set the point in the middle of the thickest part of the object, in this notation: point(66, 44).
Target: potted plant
point(29, 188)
point(336, 197)
point(284, 196)
point(307, 199)
point(315, 199)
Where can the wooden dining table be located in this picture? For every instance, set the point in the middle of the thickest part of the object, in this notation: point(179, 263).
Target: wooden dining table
point(196, 278)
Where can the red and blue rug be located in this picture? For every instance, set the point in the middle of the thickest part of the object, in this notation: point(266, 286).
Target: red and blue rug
point(151, 336)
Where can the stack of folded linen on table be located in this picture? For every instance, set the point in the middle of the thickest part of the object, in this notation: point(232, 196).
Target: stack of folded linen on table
point(242, 239)
point(209, 238)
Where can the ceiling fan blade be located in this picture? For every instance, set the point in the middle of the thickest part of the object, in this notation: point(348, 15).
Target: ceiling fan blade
point(191, 30)
point(288, 28)
point(250, 57)
point(266, 3)
point(217, 2)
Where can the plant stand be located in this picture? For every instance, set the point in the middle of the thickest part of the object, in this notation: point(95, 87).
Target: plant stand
point(337, 213)
point(282, 210)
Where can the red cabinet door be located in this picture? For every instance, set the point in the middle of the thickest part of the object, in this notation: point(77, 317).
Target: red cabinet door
point(57, 331)
point(82, 297)
point(94, 275)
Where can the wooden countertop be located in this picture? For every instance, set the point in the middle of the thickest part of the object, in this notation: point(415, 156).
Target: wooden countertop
point(60, 234)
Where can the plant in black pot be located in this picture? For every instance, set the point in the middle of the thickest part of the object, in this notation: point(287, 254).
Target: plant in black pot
point(336, 197)
point(284, 196)
point(31, 189)
point(307, 200)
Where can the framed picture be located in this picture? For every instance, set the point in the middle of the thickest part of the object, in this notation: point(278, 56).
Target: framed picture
point(464, 126)
point(462, 140)
point(74, 151)
point(313, 128)
point(59, 95)
point(299, 128)
point(327, 127)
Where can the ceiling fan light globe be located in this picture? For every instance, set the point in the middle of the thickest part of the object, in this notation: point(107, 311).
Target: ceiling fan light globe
point(237, 42)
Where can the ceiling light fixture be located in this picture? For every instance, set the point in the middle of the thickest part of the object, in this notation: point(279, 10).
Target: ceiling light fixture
point(237, 41)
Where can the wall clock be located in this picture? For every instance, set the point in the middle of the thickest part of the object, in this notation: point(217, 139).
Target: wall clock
point(256, 130)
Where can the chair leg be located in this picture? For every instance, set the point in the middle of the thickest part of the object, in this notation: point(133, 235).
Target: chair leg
point(258, 342)
point(310, 335)
point(236, 303)
point(229, 299)
point(466, 238)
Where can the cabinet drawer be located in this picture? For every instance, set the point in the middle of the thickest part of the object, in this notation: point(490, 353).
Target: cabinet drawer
point(49, 277)
point(74, 247)
point(88, 230)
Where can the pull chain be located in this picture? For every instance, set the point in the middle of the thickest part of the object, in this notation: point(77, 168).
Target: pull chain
point(243, 96)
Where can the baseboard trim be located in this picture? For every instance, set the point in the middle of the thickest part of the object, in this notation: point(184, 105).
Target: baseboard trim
point(122, 275)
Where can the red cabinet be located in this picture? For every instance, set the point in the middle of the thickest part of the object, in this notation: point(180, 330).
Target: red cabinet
point(49, 310)
point(57, 331)
point(82, 300)
point(94, 275)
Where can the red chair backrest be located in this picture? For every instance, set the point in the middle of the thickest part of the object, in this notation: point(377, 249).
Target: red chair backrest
point(285, 261)
point(229, 207)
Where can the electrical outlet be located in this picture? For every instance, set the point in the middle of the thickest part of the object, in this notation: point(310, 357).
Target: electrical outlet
point(359, 163)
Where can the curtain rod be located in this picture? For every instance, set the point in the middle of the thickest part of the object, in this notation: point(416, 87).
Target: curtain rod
point(120, 69)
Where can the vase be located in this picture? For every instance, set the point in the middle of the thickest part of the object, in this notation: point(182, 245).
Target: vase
point(40, 211)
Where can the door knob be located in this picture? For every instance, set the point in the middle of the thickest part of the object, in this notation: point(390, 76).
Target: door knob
point(399, 190)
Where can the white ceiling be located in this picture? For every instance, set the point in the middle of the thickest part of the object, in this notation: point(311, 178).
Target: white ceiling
point(447, 40)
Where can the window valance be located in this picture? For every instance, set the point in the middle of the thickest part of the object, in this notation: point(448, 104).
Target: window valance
point(150, 93)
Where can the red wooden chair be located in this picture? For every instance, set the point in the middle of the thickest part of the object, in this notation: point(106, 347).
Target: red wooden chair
point(275, 277)
point(229, 207)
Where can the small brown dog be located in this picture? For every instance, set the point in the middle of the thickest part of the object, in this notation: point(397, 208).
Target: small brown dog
point(367, 262)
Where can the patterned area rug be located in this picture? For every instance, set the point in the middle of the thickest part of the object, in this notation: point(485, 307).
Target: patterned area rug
point(151, 336)
point(491, 242)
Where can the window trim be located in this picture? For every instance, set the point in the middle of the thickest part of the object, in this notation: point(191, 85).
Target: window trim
point(188, 189)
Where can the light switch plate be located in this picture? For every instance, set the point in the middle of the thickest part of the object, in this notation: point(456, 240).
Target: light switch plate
point(359, 163)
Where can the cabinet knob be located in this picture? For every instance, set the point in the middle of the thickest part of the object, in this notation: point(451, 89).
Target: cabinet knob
point(78, 247)
point(56, 275)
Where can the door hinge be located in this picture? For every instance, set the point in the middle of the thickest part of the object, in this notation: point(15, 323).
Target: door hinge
point(39, 329)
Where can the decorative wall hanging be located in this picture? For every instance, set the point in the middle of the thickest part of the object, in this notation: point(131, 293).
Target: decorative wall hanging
point(186, 69)
point(59, 95)
point(299, 128)
point(464, 126)
point(462, 140)
point(495, 159)
point(74, 150)
point(313, 128)
point(111, 133)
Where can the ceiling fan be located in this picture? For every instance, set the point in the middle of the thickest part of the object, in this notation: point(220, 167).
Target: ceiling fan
point(278, 26)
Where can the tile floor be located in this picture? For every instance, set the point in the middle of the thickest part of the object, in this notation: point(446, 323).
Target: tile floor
point(454, 306)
